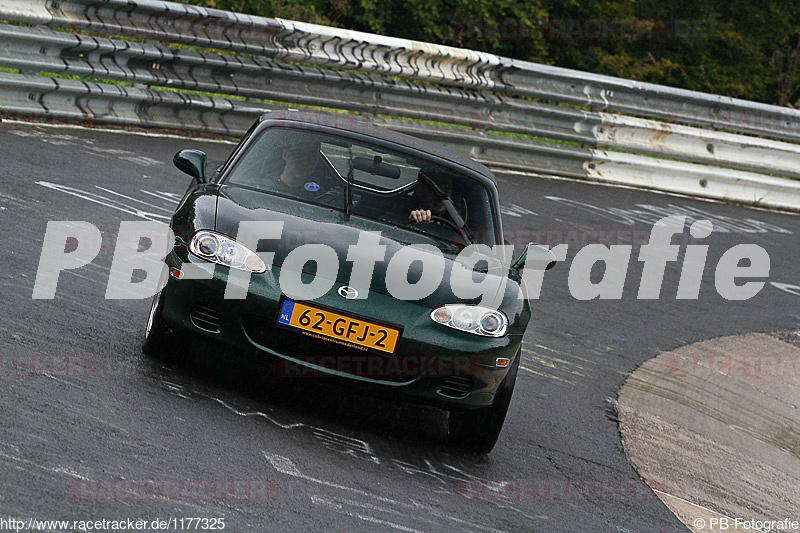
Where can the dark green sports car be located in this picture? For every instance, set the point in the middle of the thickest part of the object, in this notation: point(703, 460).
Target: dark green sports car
point(331, 247)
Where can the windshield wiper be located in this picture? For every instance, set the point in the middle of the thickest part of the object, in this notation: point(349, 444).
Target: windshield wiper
point(449, 207)
point(348, 195)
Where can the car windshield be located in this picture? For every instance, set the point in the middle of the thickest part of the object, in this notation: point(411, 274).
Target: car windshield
point(369, 181)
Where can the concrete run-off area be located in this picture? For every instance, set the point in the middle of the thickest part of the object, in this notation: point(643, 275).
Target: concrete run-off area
point(714, 429)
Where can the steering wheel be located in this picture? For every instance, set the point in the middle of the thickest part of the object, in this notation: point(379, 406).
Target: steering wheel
point(446, 222)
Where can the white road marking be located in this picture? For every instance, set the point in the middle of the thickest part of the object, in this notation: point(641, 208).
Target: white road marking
point(363, 505)
point(130, 294)
point(362, 449)
point(102, 200)
point(650, 214)
point(93, 280)
point(500, 172)
point(256, 414)
point(690, 503)
point(166, 196)
point(118, 131)
point(70, 472)
point(431, 471)
point(787, 287)
point(134, 199)
point(101, 267)
point(92, 308)
point(319, 500)
point(515, 210)
point(61, 380)
point(58, 470)
point(286, 466)
point(141, 160)
point(333, 441)
point(352, 446)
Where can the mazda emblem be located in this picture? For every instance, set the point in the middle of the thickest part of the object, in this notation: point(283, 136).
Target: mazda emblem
point(348, 293)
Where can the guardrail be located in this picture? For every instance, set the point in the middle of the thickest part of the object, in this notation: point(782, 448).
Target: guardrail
point(304, 64)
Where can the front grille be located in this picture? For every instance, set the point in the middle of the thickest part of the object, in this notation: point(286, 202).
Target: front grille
point(205, 317)
point(456, 387)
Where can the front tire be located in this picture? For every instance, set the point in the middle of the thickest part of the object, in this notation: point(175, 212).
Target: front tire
point(477, 430)
point(160, 340)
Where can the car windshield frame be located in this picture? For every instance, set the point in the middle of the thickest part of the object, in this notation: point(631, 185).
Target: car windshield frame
point(367, 140)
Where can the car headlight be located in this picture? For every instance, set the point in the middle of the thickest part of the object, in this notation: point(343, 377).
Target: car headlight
point(472, 319)
point(218, 248)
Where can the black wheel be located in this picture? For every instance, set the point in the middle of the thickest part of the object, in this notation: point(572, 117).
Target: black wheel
point(159, 339)
point(477, 430)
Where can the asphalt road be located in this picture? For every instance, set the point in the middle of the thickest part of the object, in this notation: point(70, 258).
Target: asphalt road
point(125, 436)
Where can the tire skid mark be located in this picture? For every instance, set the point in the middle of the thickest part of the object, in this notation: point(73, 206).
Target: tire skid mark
point(783, 427)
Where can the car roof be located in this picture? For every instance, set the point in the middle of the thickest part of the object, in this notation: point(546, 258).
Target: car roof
point(356, 125)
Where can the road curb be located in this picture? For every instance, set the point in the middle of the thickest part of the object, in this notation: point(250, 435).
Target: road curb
point(713, 427)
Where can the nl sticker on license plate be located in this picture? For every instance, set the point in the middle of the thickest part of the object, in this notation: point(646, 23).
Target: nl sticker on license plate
point(335, 327)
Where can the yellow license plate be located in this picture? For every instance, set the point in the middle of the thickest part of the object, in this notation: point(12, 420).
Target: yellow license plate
point(341, 329)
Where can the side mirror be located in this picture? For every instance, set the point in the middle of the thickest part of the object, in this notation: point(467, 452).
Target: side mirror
point(535, 256)
point(192, 162)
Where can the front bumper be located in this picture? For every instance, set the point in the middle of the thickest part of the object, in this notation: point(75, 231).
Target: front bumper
point(431, 364)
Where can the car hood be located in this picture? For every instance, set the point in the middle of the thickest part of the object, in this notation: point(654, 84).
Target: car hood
point(305, 223)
